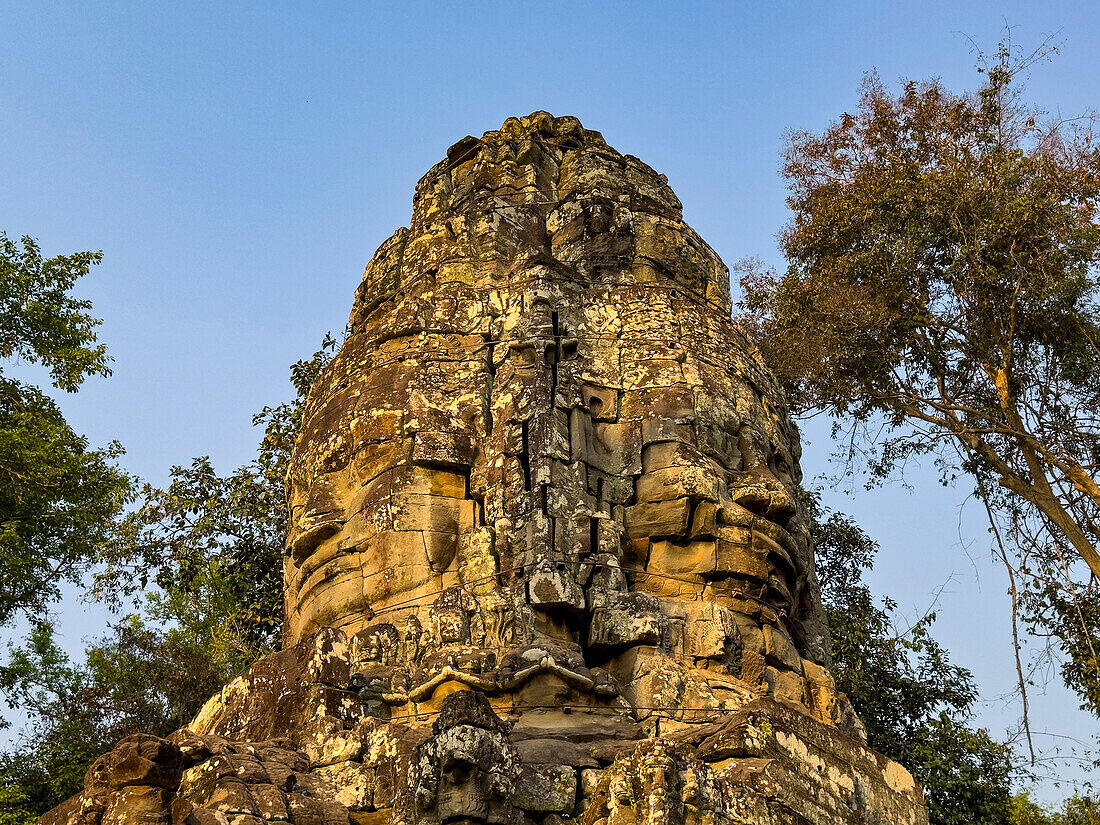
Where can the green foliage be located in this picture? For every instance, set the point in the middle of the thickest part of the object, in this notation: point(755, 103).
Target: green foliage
point(39, 321)
point(213, 547)
point(57, 500)
point(57, 496)
point(1048, 597)
point(912, 700)
point(136, 679)
point(1056, 606)
point(1077, 810)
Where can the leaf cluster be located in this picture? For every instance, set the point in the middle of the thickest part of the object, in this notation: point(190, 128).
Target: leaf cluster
point(1077, 810)
point(1070, 613)
point(40, 322)
point(58, 497)
point(137, 679)
point(1052, 594)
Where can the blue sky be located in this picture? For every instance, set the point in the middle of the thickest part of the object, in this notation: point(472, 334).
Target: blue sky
point(238, 163)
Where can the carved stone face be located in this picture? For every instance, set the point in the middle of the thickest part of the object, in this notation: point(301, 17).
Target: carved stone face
point(544, 432)
point(465, 772)
point(544, 525)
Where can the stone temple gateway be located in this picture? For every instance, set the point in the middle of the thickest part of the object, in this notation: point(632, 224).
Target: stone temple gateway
point(546, 561)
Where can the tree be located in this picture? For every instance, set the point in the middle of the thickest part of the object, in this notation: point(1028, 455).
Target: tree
point(912, 700)
point(39, 321)
point(942, 277)
point(57, 496)
point(212, 547)
point(1077, 810)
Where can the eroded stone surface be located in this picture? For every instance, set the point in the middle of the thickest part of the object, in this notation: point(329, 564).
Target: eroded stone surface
point(546, 561)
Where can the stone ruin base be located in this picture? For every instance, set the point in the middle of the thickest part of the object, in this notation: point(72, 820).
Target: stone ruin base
point(288, 742)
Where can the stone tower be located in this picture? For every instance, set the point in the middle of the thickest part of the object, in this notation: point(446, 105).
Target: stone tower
point(546, 560)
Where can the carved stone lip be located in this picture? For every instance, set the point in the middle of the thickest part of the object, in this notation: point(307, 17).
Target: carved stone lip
point(447, 674)
point(737, 515)
point(547, 665)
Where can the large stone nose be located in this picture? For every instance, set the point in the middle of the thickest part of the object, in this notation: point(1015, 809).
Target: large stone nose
point(757, 487)
point(760, 492)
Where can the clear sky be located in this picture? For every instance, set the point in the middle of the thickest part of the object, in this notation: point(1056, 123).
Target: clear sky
point(238, 163)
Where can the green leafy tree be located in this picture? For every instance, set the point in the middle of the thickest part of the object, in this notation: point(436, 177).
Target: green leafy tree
point(40, 321)
point(212, 545)
point(136, 679)
point(58, 497)
point(1077, 810)
point(914, 703)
